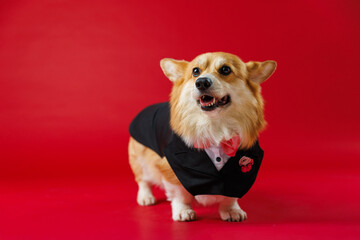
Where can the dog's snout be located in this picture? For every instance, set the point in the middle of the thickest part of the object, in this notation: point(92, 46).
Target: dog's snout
point(203, 83)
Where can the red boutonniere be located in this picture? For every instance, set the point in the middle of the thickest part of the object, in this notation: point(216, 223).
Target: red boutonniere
point(246, 164)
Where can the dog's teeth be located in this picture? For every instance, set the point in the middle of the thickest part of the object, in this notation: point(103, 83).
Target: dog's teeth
point(208, 104)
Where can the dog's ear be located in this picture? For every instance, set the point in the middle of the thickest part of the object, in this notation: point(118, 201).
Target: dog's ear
point(173, 69)
point(258, 72)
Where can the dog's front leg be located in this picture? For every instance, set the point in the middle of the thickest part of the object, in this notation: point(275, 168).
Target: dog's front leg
point(230, 210)
point(181, 201)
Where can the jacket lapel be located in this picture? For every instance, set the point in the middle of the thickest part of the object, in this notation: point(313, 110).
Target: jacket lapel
point(190, 158)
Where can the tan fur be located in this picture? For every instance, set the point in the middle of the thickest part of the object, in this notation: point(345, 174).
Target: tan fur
point(244, 117)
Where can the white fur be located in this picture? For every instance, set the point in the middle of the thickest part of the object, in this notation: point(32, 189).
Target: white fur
point(150, 175)
point(230, 210)
point(208, 200)
point(213, 127)
point(182, 212)
point(173, 72)
point(145, 196)
point(202, 60)
point(180, 202)
point(219, 62)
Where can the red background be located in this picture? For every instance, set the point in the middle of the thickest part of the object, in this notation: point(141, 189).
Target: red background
point(74, 73)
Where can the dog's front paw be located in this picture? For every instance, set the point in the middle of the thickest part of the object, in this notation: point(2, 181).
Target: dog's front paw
point(145, 199)
point(233, 215)
point(185, 215)
point(145, 196)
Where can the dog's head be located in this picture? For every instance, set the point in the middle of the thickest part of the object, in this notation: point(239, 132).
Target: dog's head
point(217, 96)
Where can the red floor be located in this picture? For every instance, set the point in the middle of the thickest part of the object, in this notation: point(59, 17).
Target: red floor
point(306, 207)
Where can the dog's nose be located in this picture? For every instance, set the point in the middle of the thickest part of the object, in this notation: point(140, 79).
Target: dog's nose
point(203, 83)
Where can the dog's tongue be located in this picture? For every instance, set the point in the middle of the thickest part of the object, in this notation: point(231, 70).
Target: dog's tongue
point(207, 100)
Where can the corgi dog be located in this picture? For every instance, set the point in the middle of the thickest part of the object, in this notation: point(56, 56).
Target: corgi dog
point(202, 145)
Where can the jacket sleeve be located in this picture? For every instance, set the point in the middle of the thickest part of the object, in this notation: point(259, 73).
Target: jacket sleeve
point(151, 127)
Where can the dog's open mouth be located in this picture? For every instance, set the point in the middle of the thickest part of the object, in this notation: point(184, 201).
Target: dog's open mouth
point(209, 103)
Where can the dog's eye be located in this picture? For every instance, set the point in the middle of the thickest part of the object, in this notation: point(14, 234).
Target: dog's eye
point(225, 70)
point(196, 72)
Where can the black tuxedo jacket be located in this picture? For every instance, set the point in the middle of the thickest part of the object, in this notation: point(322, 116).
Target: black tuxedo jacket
point(193, 167)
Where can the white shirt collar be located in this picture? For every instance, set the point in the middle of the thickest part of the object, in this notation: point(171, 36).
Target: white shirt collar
point(217, 156)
